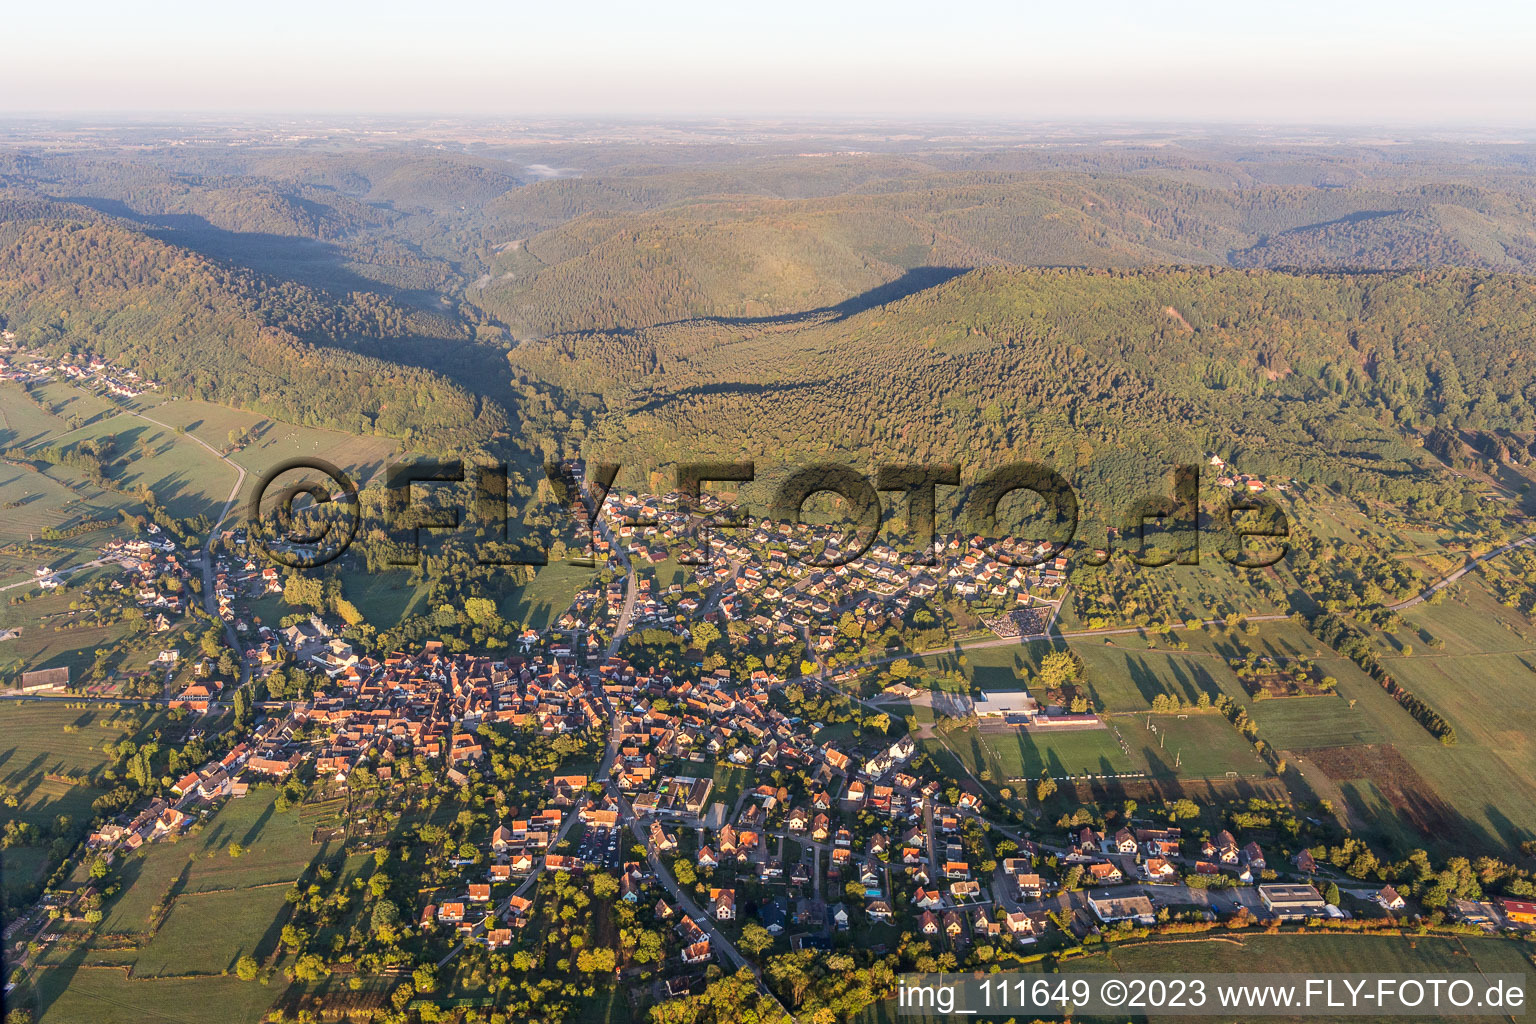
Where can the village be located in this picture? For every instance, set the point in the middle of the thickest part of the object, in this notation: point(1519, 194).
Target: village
point(703, 795)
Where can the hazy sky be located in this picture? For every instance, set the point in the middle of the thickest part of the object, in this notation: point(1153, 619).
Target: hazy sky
point(1334, 61)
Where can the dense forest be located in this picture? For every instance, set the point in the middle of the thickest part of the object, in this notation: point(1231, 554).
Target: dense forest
point(229, 335)
point(1344, 313)
point(1110, 376)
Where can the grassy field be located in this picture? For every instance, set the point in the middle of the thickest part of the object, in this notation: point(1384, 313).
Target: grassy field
point(1017, 753)
point(205, 933)
point(547, 597)
point(105, 995)
point(1296, 723)
point(383, 597)
point(277, 851)
point(1125, 671)
point(36, 745)
point(185, 477)
point(40, 502)
point(1203, 745)
point(276, 441)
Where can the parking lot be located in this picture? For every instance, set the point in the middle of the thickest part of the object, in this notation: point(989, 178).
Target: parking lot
point(600, 847)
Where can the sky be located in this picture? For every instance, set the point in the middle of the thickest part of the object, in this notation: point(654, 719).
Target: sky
point(1406, 61)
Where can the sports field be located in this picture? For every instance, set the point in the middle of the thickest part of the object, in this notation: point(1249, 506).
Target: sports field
point(1019, 753)
point(1200, 745)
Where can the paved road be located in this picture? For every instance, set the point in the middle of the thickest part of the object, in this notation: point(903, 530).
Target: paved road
point(1428, 592)
point(71, 570)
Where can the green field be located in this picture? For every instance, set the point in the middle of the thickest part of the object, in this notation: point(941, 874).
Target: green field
point(278, 849)
point(1297, 723)
point(1204, 745)
point(384, 597)
point(1126, 671)
point(1016, 753)
point(205, 933)
point(42, 501)
point(36, 745)
point(547, 597)
point(106, 995)
point(275, 441)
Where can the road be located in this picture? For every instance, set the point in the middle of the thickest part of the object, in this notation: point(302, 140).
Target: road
point(209, 602)
point(1441, 584)
point(93, 563)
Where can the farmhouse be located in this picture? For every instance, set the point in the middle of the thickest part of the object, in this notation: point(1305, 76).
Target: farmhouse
point(1518, 911)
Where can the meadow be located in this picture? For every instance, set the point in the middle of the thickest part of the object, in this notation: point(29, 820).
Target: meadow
point(37, 745)
point(205, 933)
point(277, 850)
point(274, 441)
point(546, 597)
point(106, 995)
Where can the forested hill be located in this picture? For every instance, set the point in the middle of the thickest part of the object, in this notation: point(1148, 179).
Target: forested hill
point(229, 335)
point(748, 256)
point(1112, 376)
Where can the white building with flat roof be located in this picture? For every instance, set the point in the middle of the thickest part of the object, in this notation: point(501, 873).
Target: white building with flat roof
point(1006, 703)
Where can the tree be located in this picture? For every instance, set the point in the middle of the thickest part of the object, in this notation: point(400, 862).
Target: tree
point(424, 978)
point(1331, 893)
point(246, 968)
point(595, 961)
point(1057, 669)
point(1045, 788)
point(604, 886)
point(385, 920)
point(755, 938)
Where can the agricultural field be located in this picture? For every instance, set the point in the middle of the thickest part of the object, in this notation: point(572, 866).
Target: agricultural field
point(277, 849)
point(35, 757)
point(1294, 723)
point(34, 500)
point(205, 933)
point(71, 404)
point(48, 738)
point(1446, 794)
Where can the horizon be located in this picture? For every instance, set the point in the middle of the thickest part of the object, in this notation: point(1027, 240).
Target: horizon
point(1186, 62)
